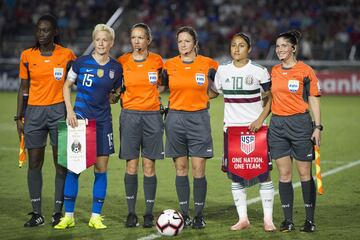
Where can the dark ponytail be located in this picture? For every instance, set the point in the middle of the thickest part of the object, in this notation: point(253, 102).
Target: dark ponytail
point(292, 36)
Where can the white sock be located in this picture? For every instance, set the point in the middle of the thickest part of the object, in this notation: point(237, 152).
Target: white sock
point(239, 195)
point(69, 214)
point(267, 198)
point(95, 214)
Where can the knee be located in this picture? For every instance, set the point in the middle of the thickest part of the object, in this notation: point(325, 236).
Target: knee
point(132, 167)
point(198, 171)
point(149, 170)
point(285, 176)
point(181, 170)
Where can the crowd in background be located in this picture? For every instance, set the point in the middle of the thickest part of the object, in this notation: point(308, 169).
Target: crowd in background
point(331, 28)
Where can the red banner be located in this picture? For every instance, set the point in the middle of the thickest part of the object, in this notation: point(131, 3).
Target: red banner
point(339, 82)
point(247, 152)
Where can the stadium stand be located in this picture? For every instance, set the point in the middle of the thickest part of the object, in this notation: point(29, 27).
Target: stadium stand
point(331, 28)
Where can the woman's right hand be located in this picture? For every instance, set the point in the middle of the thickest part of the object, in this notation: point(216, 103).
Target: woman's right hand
point(71, 118)
point(20, 127)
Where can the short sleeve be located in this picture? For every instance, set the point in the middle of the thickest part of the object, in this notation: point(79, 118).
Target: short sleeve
point(23, 67)
point(315, 89)
point(217, 86)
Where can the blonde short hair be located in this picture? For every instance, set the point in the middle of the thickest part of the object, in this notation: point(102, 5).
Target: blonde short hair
point(105, 28)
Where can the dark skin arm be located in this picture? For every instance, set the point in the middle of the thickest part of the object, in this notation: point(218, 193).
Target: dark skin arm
point(23, 90)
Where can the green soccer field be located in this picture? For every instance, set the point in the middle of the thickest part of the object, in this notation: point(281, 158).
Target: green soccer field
point(337, 212)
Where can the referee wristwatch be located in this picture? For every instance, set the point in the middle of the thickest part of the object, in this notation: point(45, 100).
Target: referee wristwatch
point(320, 127)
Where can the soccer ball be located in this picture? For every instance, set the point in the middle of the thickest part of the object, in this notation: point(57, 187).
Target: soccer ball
point(169, 223)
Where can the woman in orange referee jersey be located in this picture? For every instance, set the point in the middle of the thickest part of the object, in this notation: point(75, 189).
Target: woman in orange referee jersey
point(141, 124)
point(42, 72)
point(292, 134)
point(188, 131)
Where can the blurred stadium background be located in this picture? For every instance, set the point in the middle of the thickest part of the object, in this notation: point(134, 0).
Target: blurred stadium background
point(330, 41)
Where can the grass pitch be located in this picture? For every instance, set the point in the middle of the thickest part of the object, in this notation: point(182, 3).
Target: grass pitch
point(337, 212)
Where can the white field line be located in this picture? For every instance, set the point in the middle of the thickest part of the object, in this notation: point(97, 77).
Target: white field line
point(258, 199)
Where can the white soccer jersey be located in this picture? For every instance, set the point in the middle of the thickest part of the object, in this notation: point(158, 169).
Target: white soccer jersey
point(242, 92)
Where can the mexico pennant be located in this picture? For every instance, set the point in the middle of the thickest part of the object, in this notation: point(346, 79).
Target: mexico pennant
point(77, 146)
point(247, 153)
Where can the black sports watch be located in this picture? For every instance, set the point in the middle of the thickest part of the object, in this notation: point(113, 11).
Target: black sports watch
point(320, 127)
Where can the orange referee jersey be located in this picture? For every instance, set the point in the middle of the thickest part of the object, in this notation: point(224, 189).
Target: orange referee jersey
point(141, 80)
point(188, 82)
point(46, 74)
point(291, 88)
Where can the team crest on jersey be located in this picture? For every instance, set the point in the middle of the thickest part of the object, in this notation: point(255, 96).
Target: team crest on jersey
point(111, 74)
point(76, 146)
point(58, 73)
point(200, 78)
point(249, 80)
point(247, 144)
point(152, 77)
point(100, 73)
point(293, 85)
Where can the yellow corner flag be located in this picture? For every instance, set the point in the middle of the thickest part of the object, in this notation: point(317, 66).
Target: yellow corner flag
point(22, 152)
point(319, 183)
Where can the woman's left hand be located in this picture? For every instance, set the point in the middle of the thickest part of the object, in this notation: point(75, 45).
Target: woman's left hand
point(255, 126)
point(316, 136)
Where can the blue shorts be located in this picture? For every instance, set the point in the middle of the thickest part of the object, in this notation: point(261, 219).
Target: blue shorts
point(104, 138)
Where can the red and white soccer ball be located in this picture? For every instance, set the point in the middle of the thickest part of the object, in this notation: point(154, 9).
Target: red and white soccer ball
point(170, 223)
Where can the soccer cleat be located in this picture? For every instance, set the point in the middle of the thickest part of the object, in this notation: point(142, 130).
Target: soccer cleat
point(198, 222)
point(96, 222)
point(309, 226)
point(35, 220)
point(187, 221)
point(131, 220)
point(241, 224)
point(287, 226)
point(269, 226)
point(55, 219)
point(148, 221)
point(65, 222)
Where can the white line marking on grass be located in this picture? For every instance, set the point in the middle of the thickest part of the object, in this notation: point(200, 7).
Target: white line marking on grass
point(258, 199)
point(151, 237)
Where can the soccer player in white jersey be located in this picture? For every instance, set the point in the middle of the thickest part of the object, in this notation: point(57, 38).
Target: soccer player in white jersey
point(246, 89)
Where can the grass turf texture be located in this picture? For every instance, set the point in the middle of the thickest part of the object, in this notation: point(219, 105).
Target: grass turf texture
point(337, 212)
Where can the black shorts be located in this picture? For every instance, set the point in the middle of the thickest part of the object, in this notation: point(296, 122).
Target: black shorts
point(41, 121)
point(291, 136)
point(141, 131)
point(188, 134)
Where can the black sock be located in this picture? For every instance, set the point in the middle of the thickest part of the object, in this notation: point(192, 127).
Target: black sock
point(309, 196)
point(200, 188)
point(150, 184)
point(59, 191)
point(286, 193)
point(35, 186)
point(131, 187)
point(183, 193)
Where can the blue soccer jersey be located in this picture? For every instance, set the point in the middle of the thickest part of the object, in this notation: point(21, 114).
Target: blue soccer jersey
point(94, 83)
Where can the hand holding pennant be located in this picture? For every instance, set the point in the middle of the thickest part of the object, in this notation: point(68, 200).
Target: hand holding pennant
point(77, 146)
point(22, 152)
point(319, 183)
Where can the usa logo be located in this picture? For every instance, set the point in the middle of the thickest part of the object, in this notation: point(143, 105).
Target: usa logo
point(152, 77)
point(247, 144)
point(293, 85)
point(200, 78)
point(111, 74)
point(58, 73)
